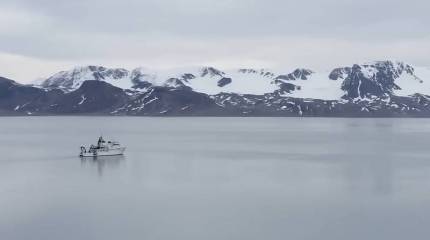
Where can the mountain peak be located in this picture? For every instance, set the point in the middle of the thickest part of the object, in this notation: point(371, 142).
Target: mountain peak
point(262, 72)
point(297, 74)
point(378, 79)
point(211, 72)
point(72, 79)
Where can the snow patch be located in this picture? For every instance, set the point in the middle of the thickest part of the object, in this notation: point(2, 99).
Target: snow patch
point(83, 98)
point(410, 84)
point(317, 86)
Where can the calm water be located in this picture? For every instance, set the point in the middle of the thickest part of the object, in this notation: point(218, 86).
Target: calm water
point(216, 178)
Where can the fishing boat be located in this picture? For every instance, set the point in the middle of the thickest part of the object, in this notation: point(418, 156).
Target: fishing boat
point(103, 148)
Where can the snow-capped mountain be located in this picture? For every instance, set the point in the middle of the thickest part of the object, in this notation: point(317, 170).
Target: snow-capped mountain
point(73, 79)
point(382, 88)
point(208, 80)
point(357, 81)
point(381, 79)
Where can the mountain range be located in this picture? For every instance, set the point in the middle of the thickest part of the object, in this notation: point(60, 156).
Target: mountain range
point(376, 89)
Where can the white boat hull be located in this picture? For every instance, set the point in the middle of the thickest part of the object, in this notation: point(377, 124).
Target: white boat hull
point(102, 152)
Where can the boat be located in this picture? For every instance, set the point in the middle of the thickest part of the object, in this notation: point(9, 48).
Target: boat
point(103, 148)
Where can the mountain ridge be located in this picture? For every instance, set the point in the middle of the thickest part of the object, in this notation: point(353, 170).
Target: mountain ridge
point(375, 89)
point(211, 80)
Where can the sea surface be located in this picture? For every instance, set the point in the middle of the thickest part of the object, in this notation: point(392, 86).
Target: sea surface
point(215, 178)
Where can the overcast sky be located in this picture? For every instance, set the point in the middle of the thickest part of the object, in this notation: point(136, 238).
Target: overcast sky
point(40, 37)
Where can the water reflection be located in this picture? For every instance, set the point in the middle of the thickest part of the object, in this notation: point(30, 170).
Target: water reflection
point(102, 162)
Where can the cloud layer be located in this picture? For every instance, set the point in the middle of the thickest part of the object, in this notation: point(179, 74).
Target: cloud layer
point(38, 37)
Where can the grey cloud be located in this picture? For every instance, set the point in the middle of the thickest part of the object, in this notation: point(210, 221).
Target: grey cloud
point(316, 32)
point(238, 17)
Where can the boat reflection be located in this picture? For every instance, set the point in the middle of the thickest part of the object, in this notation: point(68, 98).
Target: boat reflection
point(102, 162)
